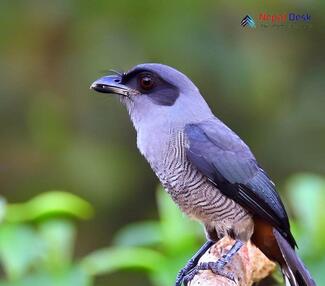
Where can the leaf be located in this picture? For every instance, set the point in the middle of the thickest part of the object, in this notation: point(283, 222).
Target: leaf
point(139, 234)
point(58, 236)
point(108, 260)
point(20, 248)
point(48, 204)
point(307, 195)
point(73, 276)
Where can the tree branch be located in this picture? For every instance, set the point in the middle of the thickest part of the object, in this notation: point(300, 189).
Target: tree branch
point(249, 265)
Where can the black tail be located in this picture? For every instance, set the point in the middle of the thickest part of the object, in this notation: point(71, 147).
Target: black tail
point(294, 270)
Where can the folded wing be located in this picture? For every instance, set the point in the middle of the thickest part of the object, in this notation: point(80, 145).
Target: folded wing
point(227, 161)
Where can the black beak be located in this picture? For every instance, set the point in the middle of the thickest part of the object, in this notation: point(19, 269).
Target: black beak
point(110, 84)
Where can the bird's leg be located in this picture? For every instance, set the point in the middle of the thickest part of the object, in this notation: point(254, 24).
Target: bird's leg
point(216, 267)
point(192, 263)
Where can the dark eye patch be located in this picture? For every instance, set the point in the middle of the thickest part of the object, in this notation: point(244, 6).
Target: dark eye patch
point(162, 92)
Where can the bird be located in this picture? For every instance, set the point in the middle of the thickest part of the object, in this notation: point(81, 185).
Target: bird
point(206, 168)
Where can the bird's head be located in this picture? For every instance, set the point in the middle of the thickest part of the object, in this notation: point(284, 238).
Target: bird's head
point(156, 92)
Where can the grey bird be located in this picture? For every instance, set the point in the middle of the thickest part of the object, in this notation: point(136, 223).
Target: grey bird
point(209, 172)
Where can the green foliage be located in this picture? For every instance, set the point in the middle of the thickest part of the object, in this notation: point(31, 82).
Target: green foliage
point(37, 242)
point(307, 198)
point(20, 248)
point(54, 202)
point(37, 239)
point(168, 243)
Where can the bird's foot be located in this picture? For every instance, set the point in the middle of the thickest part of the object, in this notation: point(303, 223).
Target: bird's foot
point(184, 272)
point(215, 267)
point(190, 270)
point(192, 263)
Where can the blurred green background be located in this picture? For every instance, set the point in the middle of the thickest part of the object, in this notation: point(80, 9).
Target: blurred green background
point(268, 84)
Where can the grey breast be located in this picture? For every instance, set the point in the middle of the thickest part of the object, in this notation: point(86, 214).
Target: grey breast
point(192, 191)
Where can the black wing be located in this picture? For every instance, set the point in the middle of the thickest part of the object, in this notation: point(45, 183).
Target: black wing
point(227, 161)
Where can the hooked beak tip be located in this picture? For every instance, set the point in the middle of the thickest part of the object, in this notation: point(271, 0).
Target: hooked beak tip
point(110, 84)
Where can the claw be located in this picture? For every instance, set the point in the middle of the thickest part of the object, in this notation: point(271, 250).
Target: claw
point(180, 277)
point(191, 264)
point(189, 276)
point(191, 269)
point(216, 268)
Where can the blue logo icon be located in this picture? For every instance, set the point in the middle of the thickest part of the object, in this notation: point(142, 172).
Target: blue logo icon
point(248, 21)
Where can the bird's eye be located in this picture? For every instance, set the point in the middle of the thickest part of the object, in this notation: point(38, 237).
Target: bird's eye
point(146, 82)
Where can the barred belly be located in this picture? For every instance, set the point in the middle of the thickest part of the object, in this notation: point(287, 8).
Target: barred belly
point(198, 197)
